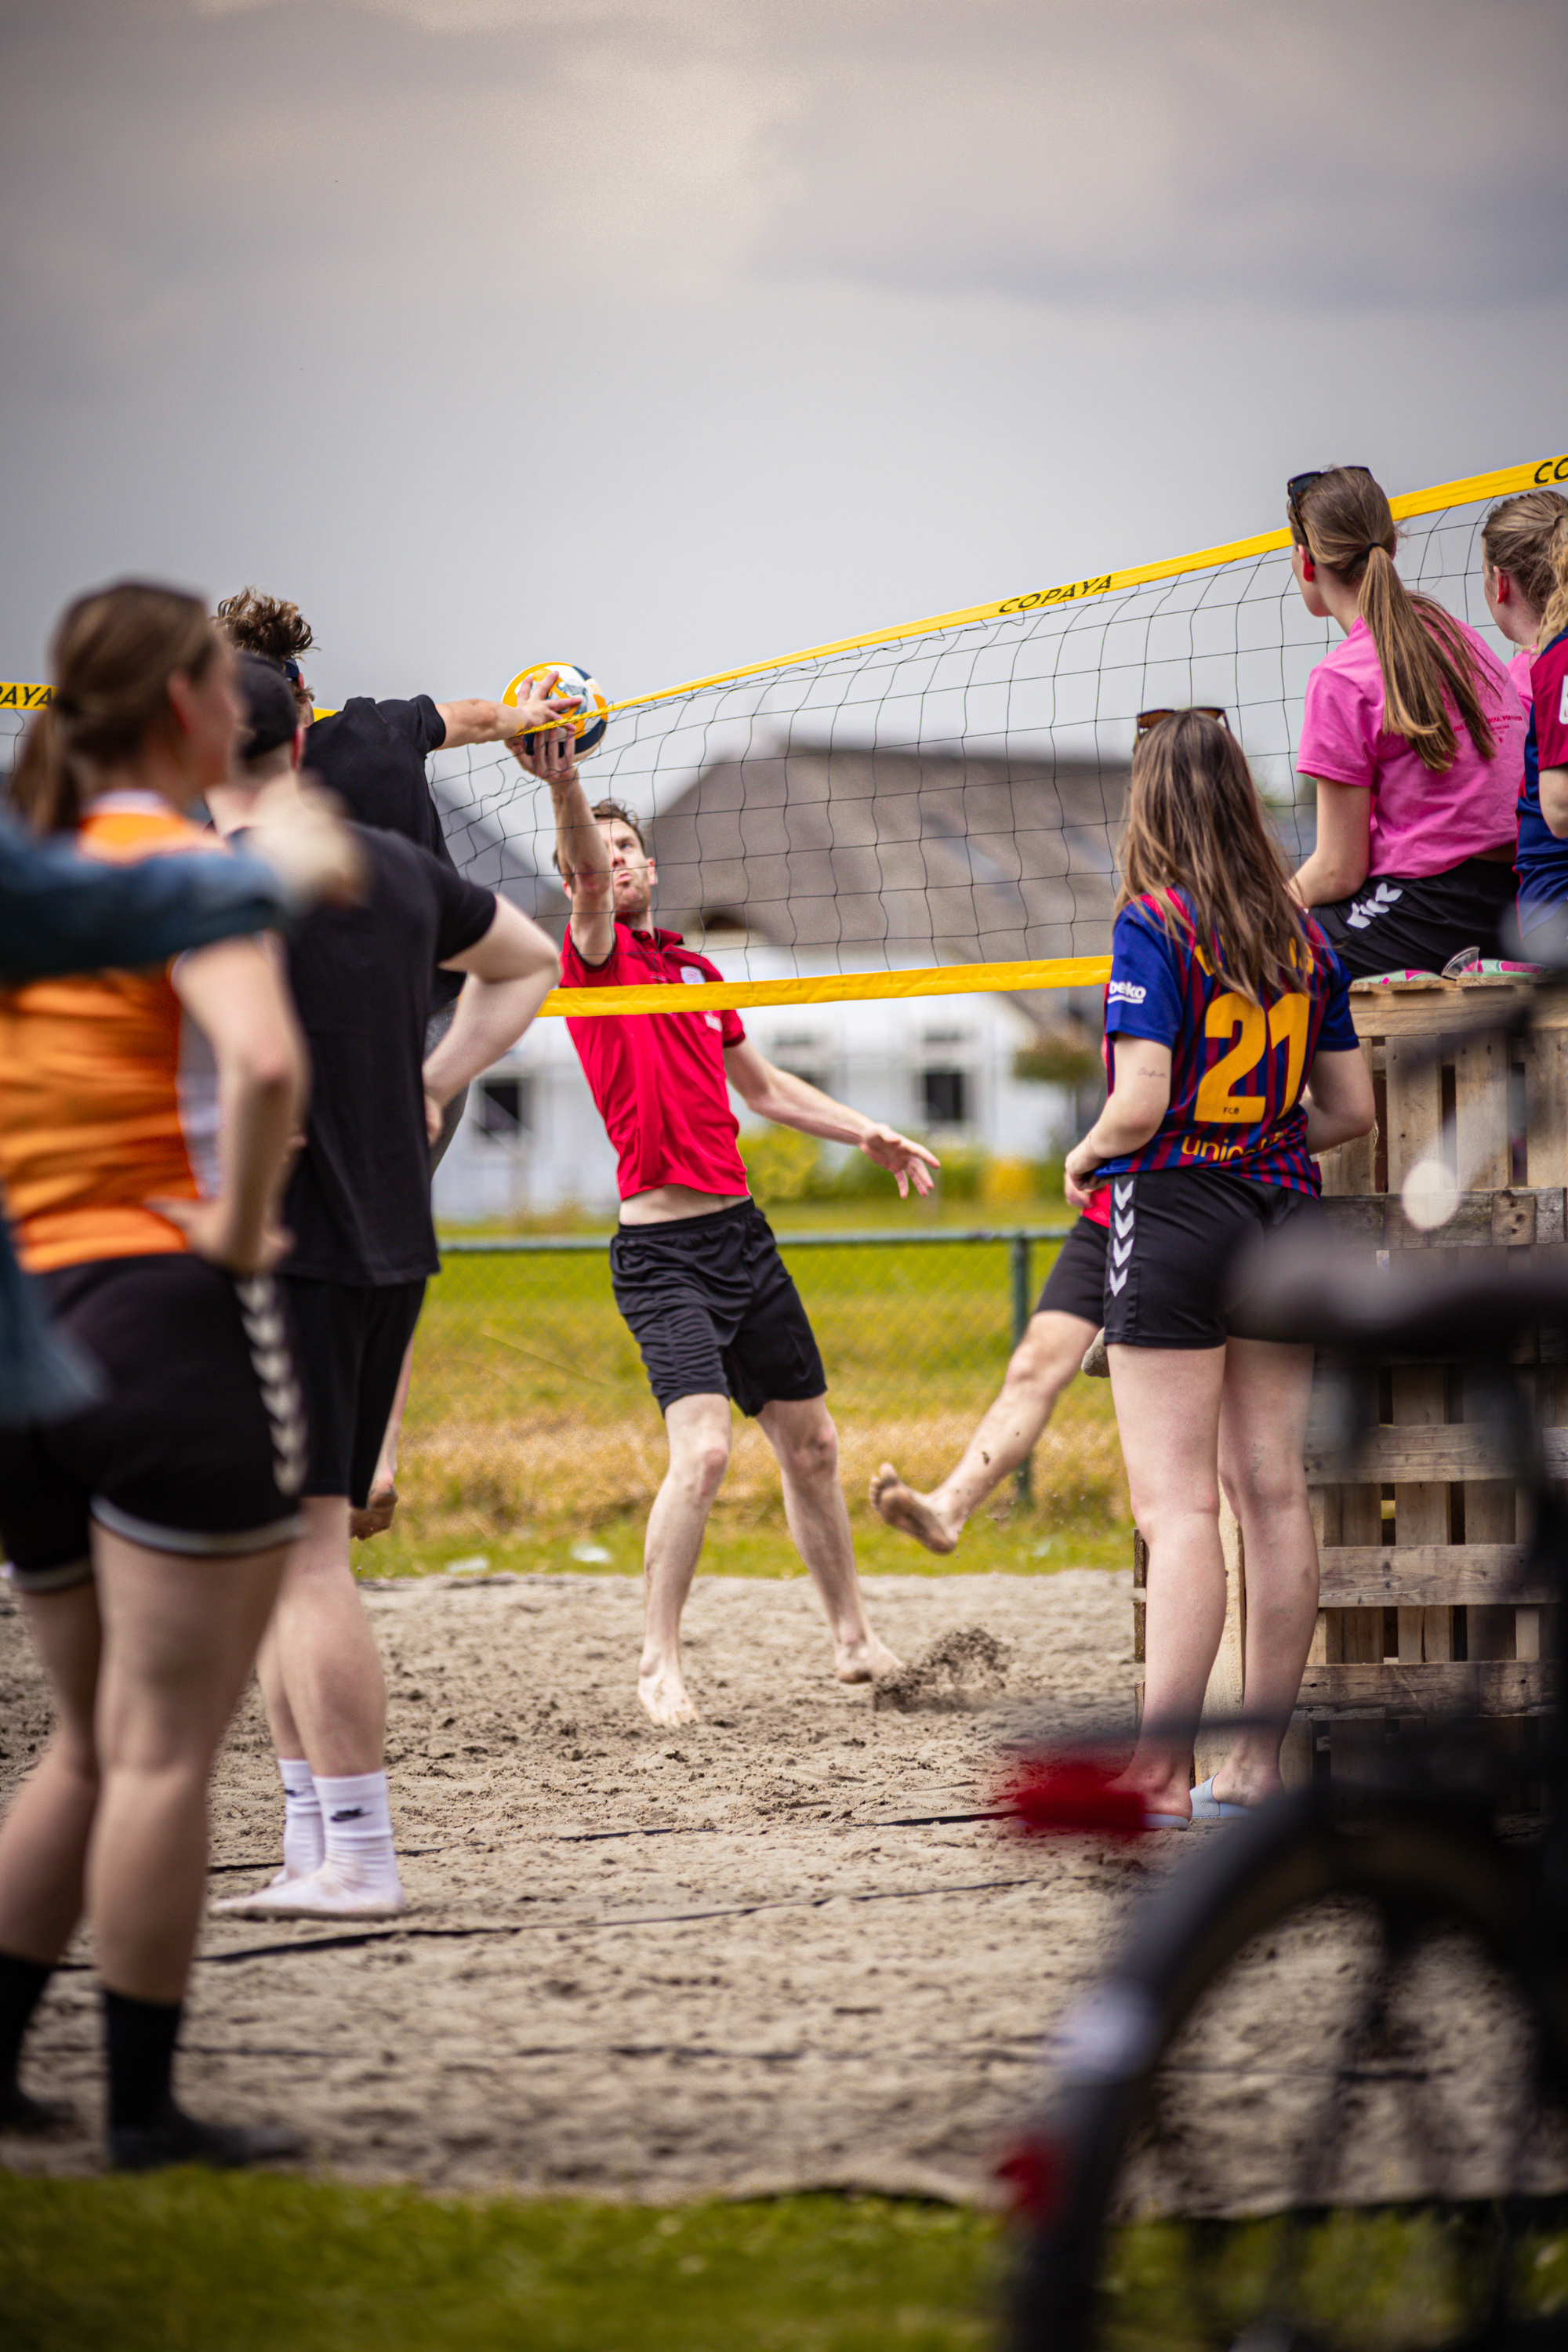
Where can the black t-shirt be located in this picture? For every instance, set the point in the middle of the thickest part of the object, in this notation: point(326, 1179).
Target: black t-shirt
point(358, 1202)
point(372, 754)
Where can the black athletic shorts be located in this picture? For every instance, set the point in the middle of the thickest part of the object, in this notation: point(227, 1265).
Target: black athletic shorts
point(352, 1337)
point(713, 1309)
point(1173, 1235)
point(1076, 1284)
point(197, 1444)
point(1393, 924)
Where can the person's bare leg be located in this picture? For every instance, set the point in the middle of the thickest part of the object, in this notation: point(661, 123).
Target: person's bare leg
point(320, 1670)
point(1262, 1442)
point(802, 1436)
point(45, 1833)
point(376, 1517)
point(1043, 1362)
point(179, 1636)
point(698, 1429)
point(1167, 1412)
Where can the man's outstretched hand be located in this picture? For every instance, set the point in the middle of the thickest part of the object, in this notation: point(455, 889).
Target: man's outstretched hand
point(908, 1163)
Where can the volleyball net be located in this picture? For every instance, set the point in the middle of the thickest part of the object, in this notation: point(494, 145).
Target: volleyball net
point(933, 808)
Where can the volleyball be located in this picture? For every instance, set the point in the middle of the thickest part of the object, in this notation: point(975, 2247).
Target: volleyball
point(592, 716)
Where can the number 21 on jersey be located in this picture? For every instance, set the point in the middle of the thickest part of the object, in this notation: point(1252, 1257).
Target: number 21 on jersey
point(1254, 1032)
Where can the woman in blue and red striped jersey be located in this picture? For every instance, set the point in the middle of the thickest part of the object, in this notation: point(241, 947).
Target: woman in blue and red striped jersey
point(1233, 1063)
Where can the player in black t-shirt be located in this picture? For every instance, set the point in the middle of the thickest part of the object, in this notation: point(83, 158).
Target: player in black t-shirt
point(358, 1206)
point(372, 755)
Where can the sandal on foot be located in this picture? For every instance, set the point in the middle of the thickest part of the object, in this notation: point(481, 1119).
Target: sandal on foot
point(1207, 1807)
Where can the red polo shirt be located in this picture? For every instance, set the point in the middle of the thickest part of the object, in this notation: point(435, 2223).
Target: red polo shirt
point(658, 1078)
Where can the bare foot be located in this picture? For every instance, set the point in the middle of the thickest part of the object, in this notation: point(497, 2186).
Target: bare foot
point(911, 1513)
point(862, 1661)
point(663, 1694)
point(376, 1515)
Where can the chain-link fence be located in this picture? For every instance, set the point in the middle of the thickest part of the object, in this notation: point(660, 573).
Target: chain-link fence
point(531, 1420)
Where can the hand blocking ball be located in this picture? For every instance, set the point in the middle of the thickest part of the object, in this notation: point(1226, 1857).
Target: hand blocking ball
point(591, 717)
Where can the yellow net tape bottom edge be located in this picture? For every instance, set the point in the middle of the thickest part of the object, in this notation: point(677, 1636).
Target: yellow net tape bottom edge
point(832, 988)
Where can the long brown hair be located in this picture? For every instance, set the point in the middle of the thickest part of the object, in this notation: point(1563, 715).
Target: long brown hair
point(1554, 619)
point(113, 654)
point(1345, 523)
point(1194, 824)
point(1517, 538)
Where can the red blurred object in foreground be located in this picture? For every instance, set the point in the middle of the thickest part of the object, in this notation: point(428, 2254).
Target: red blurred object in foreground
point(1032, 2176)
point(1055, 1796)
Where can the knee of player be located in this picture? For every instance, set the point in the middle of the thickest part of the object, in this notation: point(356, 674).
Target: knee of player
point(813, 1453)
point(1047, 1356)
point(1272, 1482)
point(704, 1466)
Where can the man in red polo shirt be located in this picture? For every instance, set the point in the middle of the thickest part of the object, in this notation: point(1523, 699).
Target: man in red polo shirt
point(696, 1270)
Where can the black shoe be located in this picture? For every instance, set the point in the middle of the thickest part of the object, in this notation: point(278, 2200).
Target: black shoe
point(179, 2138)
point(35, 2118)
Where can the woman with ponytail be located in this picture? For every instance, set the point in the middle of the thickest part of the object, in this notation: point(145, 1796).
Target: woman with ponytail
point(1233, 1063)
point(1524, 544)
point(146, 1529)
point(1414, 739)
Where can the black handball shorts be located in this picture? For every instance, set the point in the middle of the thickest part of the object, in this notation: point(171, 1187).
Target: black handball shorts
point(352, 1337)
point(197, 1444)
point(713, 1306)
point(1175, 1233)
point(1396, 924)
point(1076, 1284)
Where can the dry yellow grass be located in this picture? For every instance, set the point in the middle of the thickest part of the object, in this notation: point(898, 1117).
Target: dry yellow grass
point(562, 1471)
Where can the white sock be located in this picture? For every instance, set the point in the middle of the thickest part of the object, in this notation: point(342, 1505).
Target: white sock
point(357, 1822)
point(303, 1843)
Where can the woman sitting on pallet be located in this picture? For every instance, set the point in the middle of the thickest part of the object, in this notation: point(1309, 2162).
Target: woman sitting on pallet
point(1524, 578)
point(1233, 1062)
point(1413, 736)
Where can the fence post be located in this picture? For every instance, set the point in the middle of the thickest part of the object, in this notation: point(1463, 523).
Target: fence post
point(1022, 1302)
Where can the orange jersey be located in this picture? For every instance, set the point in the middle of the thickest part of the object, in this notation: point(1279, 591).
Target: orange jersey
point(90, 1068)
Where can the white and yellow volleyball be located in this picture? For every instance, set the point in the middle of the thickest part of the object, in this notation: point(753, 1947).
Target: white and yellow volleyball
point(591, 716)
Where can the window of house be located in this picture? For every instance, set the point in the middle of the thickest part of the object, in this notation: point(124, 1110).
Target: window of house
point(944, 1098)
point(504, 1110)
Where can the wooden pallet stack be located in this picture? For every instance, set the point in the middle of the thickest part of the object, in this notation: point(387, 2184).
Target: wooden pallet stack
point(1420, 1605)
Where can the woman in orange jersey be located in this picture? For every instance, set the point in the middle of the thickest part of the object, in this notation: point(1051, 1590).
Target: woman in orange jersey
point(146, 1534)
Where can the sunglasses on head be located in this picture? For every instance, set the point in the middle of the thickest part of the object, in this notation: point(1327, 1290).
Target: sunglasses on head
point(1299, 484)
point(1147, 720)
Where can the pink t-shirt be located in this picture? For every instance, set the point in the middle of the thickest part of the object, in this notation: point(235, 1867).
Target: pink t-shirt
point(658, 1078)
point(1519, 670)
point(1423, 821)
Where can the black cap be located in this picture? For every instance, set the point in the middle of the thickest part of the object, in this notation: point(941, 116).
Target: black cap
point(267, 700)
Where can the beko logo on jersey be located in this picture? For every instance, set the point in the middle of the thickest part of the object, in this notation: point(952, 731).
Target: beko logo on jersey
point(1125, 991)
point(1562, 705)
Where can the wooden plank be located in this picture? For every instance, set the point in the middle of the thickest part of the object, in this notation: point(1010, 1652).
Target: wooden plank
point(1546, 1123)
point(1502, 1218)
point(1501, 1687)
point(1458, 1450)
point(1491, 1521)
point(1391, 1575)
point(1421, 1509)
point(1482, 1112)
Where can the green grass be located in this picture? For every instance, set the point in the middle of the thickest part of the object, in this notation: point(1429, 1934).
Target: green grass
point(184, 2262)
point(530, 1429)
point(187, 2263)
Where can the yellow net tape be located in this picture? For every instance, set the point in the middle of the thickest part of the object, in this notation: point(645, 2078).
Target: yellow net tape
point(833, 988)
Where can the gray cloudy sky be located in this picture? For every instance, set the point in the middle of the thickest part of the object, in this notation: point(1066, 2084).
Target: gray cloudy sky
point(668, 334)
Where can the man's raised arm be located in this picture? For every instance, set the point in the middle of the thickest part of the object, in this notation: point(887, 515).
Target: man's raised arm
point(581, 851)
